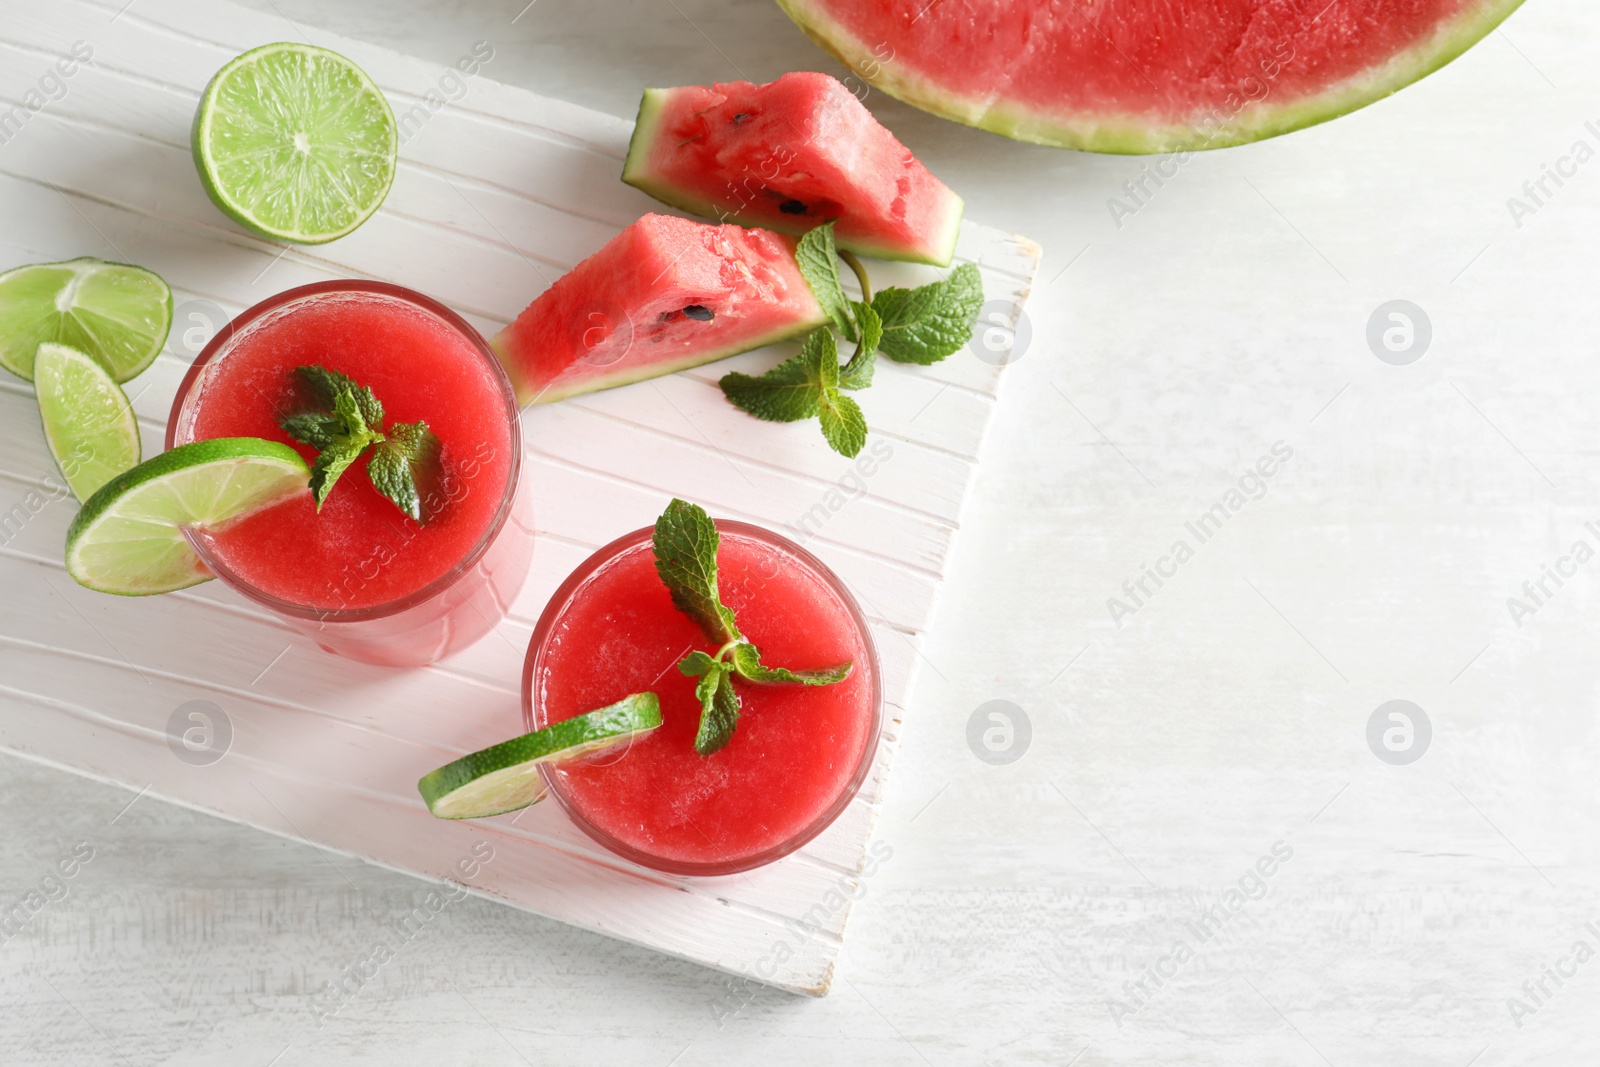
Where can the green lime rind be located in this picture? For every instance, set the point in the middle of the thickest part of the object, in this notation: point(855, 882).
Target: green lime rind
point(505, 777)
point(1132, 135)
point(295, 143)
point(128, 538)
point(89, 425)
point(116, 312)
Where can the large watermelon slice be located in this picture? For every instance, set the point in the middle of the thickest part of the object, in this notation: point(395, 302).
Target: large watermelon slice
point(788, 156)
point(662, 295)
point(1144, 75)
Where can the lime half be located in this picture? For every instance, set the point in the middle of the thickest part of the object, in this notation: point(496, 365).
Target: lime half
point(117, 313)
point(505, 777)
point(128, 539)
point(88, 422)
point(295, 143)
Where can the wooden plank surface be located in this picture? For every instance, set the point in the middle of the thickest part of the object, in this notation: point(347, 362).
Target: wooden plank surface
point(495, 197)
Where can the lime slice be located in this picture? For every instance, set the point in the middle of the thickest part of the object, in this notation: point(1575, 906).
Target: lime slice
point(88, 422)
point(128, 539)
point(295, 143)
point(117, 313)
point(505, 777)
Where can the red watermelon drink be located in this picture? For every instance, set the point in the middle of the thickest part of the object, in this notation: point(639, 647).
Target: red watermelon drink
point(362, 576)
point(799, 753)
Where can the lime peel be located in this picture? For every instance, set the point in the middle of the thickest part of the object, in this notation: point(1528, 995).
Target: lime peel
point(505, 777)
point(89, 425)
point(117, 313)
point(295, 143)
point(129, 539)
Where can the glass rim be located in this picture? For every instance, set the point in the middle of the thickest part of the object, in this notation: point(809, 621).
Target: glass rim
point(302, 293)
point(565, 594)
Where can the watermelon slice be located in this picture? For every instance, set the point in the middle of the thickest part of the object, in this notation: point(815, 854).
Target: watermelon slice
point(788, 156)
point(1144, 75)
point(662, 295)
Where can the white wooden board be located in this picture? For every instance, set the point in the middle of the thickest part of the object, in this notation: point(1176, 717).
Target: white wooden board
point(499, 191)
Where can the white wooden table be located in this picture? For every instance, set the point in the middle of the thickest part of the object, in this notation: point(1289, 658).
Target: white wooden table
point(1226, 715)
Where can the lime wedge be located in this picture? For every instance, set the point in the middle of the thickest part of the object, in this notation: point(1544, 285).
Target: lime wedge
point(117, 313)
point(88, 422)
point(128, 538)
point(295, 143)
point(505, 777)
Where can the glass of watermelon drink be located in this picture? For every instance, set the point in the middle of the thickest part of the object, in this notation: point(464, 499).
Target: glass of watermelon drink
point(799, 754)
point(360, 576)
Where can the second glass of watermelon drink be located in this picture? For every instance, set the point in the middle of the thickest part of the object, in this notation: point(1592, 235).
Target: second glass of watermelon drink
point(360, 576)
point(799, 754)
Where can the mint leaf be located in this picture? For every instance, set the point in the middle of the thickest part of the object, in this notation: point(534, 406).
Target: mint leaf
point(790, 391)
point(819, 266)
point(843, 424)
point(697, 663)
point(314, 428)
point(323, 387)
point(719, 709)
point(685, 544)
point(404, 465)
point(857, 374)
point(344, 447)
point(926, 324)
point(746, 660)
point(330, 463)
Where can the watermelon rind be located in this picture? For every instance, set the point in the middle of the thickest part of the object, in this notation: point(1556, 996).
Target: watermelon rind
point(635, 169)
point(1131, 135)
point(504, 347)
point(637, 173)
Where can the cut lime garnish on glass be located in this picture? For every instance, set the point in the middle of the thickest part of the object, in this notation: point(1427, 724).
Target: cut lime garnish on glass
point(505, 777)
point(295, 143)
point(128, 539)
point(88, 422)
point(117, 313)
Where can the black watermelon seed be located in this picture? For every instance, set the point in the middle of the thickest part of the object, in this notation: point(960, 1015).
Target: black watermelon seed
point(699, 312)
point(792, 207)
point(741, 116)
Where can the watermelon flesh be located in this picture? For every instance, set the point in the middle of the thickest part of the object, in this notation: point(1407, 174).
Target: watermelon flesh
point(1144, 75)
point(789, 156)
point(663, 295)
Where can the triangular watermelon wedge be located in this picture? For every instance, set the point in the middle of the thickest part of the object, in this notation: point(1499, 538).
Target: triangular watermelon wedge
point(789, 156)
point(663, 295)
point(1139, 76)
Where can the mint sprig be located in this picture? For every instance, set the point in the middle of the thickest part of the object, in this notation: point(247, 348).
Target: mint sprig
point(343, 421)
point(921, 326)
point(685, 544)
